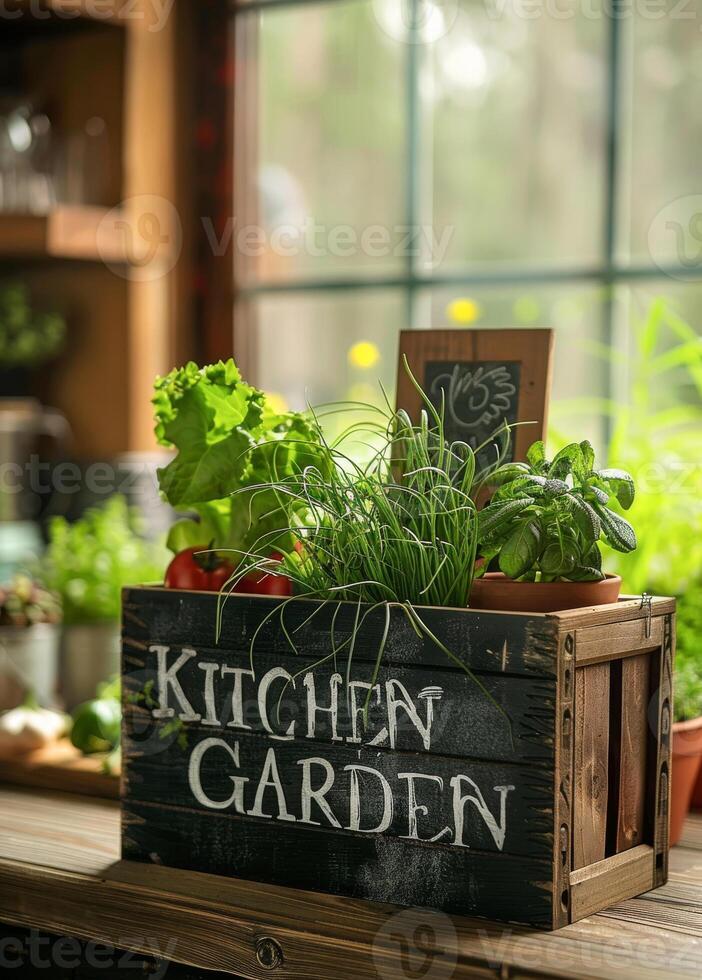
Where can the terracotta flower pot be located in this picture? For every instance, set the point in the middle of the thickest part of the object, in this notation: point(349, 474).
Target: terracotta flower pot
point(697, 793)
point(495, 591)
point(687, 760)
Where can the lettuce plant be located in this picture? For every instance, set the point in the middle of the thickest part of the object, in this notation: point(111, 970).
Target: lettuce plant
point(547, 517)
point(227, 439)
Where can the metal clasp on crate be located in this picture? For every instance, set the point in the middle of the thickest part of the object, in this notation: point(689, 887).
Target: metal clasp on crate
point(647, 604)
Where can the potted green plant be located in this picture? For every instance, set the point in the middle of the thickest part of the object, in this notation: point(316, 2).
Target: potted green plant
point(29, 639)
point(542, 529)
point(28, 338)
point(87, 563)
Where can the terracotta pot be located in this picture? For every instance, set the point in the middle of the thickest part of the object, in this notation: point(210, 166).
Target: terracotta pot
point(697, 793)
point(687, 759)
point(495, 591)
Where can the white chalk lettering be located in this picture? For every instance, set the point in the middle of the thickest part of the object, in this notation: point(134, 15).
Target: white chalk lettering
point(356, 709)
point(277, 673)
point(194, 777)
point(168, 680)
point(414, 808)
point(355, 801)
point(270, 779)
point(318, 795)
point(406, 704)
point(210, 668)
point(313, 708)
point(238, 695)
point(475, 797)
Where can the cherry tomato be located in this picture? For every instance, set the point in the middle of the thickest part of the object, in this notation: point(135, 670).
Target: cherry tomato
point(263, 583)
point(204, 572)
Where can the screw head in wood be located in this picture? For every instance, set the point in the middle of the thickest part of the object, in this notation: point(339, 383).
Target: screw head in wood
point(268, 953)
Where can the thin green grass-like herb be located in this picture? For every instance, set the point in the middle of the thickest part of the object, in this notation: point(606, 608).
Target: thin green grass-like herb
point(399, 531)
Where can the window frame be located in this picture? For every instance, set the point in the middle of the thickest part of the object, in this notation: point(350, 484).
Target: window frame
point(608, 273)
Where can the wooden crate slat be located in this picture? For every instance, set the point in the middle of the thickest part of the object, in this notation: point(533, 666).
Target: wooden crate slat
point(633, 769)
point(501, 717)
point(527, 793)
point(598, 643)
point(661, 775)
point(628, 608)
point(456, 880)
point(591, 763)
point(609, 881)
point(498, 642)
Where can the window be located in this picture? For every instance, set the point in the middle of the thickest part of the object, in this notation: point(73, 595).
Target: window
point(491, 162)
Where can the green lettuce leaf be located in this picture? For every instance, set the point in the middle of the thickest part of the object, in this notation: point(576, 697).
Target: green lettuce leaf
point(228, 442)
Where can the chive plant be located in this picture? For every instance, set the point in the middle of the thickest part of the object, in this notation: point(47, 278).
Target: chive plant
point(400, 531)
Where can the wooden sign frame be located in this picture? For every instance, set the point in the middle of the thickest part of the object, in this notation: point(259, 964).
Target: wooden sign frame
point(531, 350)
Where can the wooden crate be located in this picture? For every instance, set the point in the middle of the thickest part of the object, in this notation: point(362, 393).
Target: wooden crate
point(536, 792)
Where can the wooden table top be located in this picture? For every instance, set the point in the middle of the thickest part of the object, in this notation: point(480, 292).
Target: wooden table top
point(60, 872)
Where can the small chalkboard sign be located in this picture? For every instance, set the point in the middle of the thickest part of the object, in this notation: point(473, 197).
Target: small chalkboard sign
point(486, 378)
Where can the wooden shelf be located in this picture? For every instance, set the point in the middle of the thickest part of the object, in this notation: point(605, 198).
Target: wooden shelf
point(67, 232)
point(60, 872)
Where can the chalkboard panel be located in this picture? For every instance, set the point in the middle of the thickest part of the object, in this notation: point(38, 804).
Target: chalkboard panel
point(487, 378)
point(477, 398)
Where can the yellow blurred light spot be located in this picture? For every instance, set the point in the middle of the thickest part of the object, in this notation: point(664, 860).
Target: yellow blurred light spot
point(364, 354)
point(277, 404)
point(463, 310)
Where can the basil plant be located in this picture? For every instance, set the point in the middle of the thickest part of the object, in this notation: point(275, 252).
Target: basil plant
point(546, 518)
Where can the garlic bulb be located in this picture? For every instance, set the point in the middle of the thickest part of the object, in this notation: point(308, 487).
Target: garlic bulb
point(25, 729)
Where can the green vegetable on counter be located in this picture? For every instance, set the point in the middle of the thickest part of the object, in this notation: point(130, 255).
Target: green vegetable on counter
point(97, 723)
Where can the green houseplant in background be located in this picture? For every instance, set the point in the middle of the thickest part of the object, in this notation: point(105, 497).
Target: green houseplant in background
point(88, 563)
point(657, 435)
point(28, 337)
point(29, 642)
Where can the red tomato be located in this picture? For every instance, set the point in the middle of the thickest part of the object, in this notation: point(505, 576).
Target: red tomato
point(205, 572)
point(263, 583)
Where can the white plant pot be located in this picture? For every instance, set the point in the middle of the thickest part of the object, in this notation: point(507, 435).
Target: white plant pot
point(28, 663)
point(89, 655)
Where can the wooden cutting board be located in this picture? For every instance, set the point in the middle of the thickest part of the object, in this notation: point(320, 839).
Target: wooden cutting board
point(61, 767)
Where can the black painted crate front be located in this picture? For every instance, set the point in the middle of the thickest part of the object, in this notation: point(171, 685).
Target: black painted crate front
point(456, 796)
